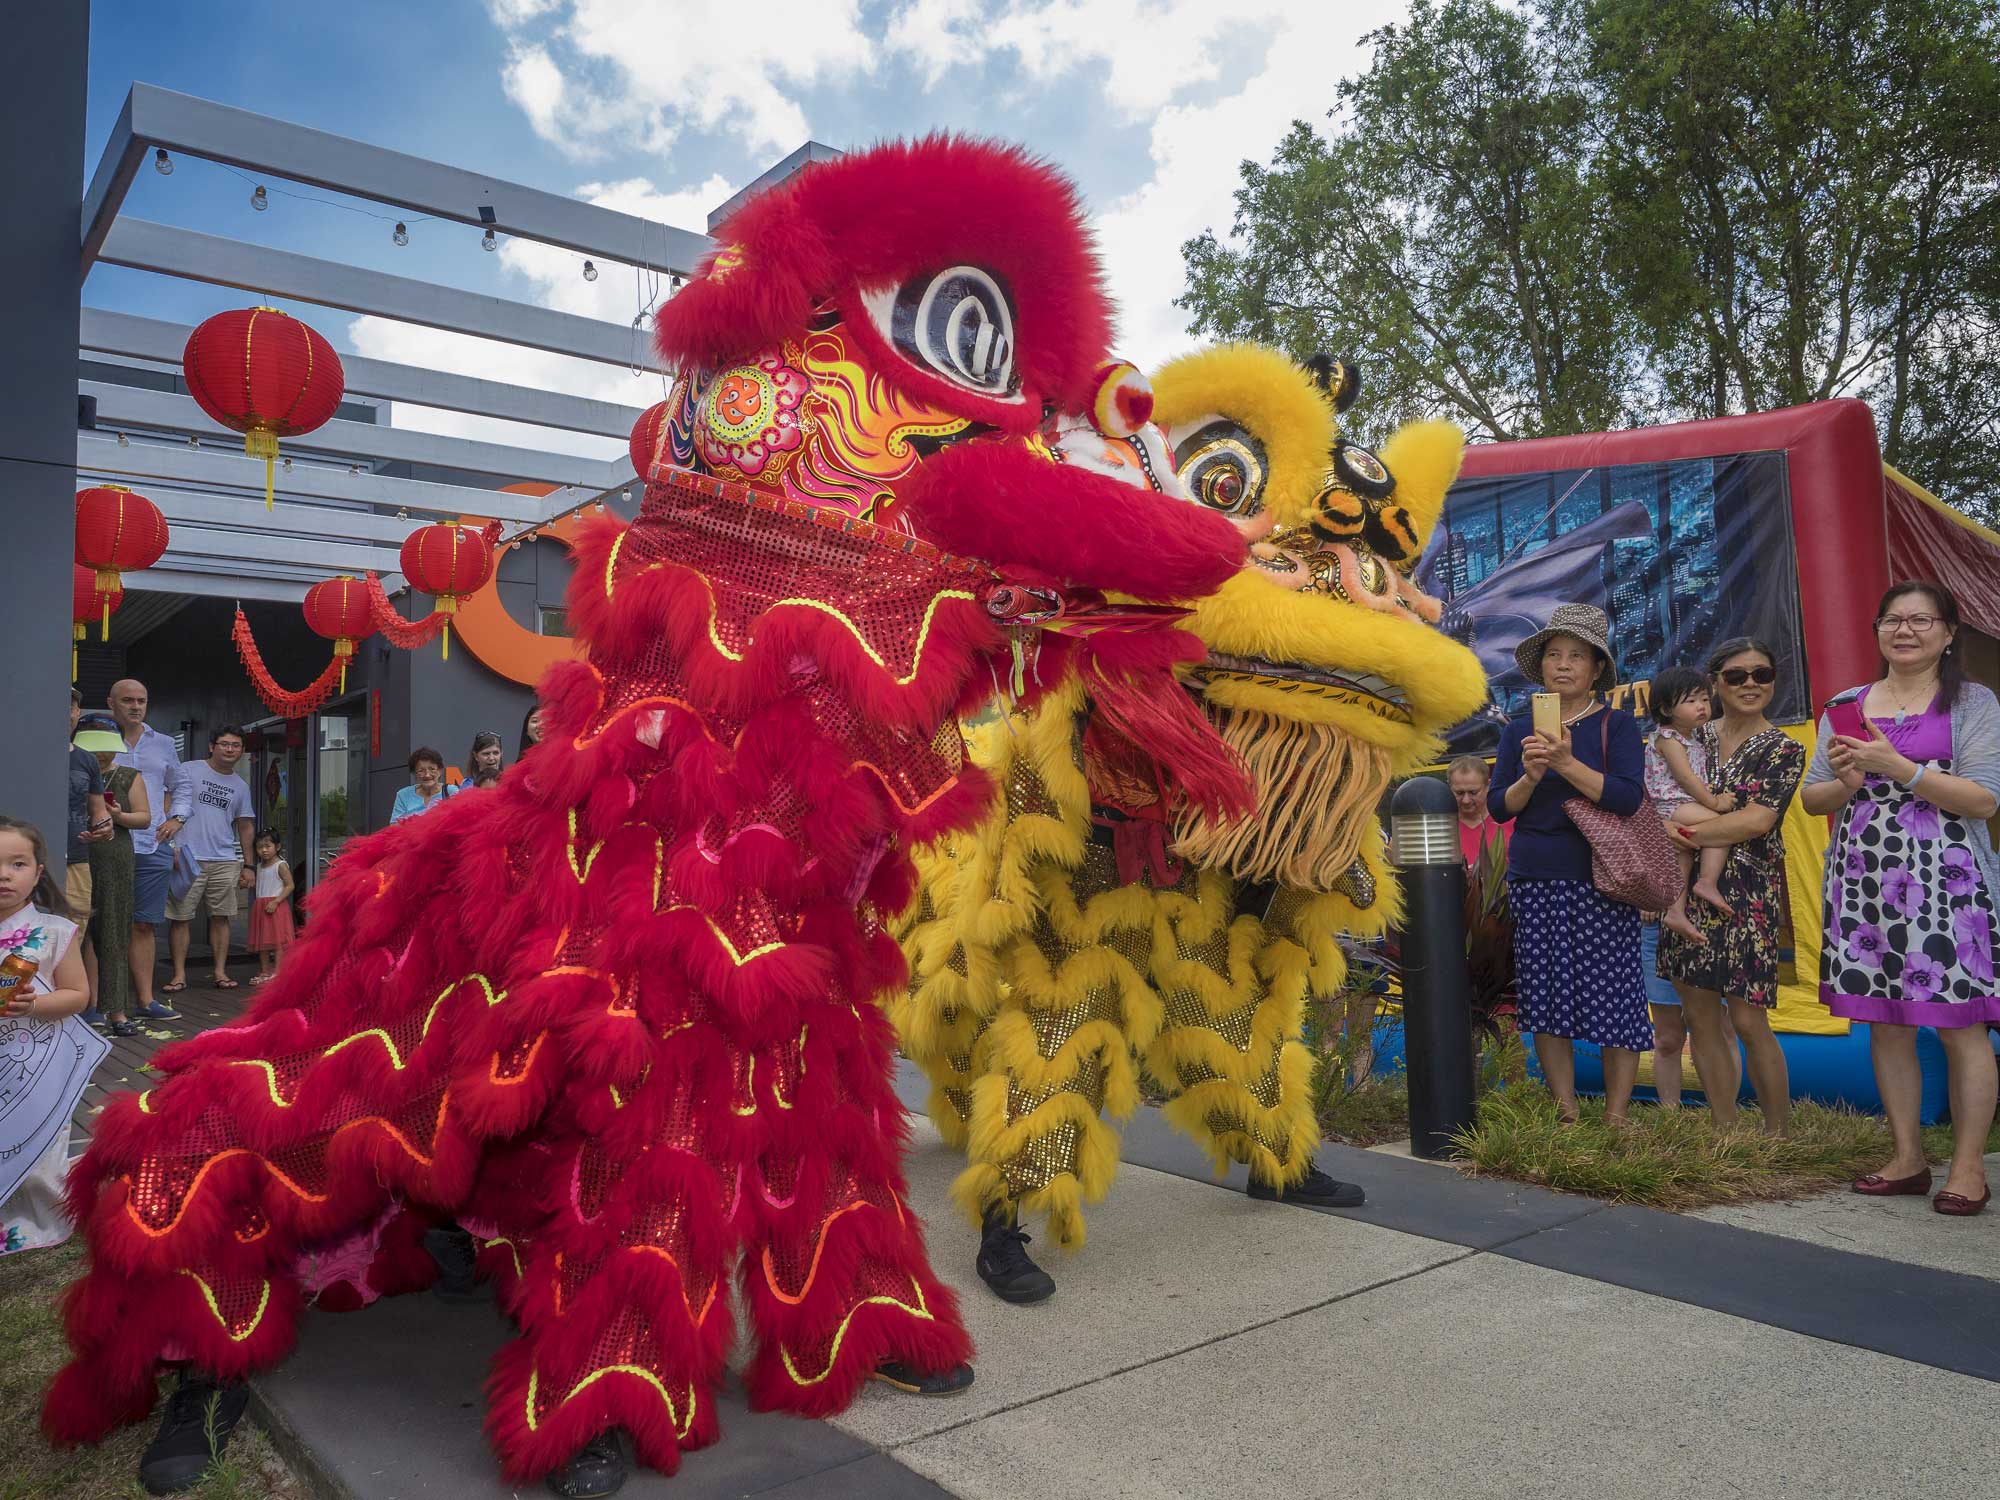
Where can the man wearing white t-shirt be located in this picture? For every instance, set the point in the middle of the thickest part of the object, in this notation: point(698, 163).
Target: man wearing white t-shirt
point(218, 835)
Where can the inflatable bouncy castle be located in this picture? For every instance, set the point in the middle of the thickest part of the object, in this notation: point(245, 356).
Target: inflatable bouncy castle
point(1784, 525)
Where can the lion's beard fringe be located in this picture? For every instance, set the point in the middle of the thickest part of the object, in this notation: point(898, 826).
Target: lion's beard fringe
point(1317, 791)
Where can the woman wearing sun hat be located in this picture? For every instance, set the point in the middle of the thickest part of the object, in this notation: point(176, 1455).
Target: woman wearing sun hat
point(1576, 953)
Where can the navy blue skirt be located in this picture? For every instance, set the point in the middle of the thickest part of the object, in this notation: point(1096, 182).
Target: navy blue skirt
point(1576, 964)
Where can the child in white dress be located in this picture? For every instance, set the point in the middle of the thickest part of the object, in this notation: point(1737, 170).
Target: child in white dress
point(1677, 781)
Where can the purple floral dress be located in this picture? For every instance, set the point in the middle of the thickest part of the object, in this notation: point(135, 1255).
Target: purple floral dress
point(1909, 918)
point(1740, 958)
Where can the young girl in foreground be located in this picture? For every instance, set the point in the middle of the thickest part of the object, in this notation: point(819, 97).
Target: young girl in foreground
point(271, 912)
point(34, 925)
point(1677, 771)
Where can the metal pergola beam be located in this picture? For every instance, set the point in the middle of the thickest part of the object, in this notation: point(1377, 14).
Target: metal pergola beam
point(166, 250)
point(247, 512)
point(204, 583)
point(137, 337)
point(138, 406)
point(317, 553)
point(208, 469)
point(155, 116)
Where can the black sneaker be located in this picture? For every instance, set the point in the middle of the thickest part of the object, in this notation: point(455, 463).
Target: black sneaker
point(453, 1250)
point(200, 1416)
point(1316, 1190)
point(908, 1378)
point(598, 1470)
point(1005, 1265)
point(123, 1028)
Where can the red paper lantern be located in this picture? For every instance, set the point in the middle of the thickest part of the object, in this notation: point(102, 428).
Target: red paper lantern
point(338, 609)
point(649, 440)
point(449, 562)
point(117, 531)
point(264, 374)
point(87, 603)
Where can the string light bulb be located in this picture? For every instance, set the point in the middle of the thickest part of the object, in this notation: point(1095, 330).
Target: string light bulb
point(487, 242)
point(589, 271)
point(260, 200)
point(124, 441)
point(402, 234)
point(674, 283)
point(162, 163)
point(288, 463)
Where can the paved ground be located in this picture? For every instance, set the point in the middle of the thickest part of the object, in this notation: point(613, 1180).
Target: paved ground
point(124, 1067)
point(1901, 1229)
point(1454, 1337)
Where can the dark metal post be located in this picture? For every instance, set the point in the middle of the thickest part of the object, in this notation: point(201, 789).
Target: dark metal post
point(1437, 986)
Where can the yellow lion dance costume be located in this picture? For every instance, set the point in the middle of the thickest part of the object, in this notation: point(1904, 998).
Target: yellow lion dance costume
point(1092, 926)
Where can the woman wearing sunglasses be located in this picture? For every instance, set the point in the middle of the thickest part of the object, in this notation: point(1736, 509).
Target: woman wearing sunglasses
point(1734, 961)
point(1909, 767)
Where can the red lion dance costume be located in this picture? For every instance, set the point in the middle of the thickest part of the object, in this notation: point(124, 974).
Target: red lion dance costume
point(619, 1016)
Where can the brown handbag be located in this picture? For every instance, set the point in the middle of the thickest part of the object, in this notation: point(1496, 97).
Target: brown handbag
point(1632, 861)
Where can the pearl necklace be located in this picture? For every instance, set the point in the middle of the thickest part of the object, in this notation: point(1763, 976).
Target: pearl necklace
point(1581, 714)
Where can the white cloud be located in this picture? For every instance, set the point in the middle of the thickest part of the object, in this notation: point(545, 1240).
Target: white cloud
point(1195, 151)
point(632, 72)
point(1217, 83)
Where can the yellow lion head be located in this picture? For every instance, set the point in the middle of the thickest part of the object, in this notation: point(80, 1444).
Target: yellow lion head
point(1325, 671)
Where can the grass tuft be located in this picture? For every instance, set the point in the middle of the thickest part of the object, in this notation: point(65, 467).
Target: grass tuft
point(1674, 1158)
point(31, 1283)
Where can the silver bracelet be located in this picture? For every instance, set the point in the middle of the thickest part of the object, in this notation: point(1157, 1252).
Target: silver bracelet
point(1911, 784)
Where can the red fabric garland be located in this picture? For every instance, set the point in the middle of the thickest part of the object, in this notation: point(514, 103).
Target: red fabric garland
point(279, 700)
point(405, 635)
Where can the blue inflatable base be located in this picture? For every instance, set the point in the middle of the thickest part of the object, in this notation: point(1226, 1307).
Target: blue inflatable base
point(1826, 1069)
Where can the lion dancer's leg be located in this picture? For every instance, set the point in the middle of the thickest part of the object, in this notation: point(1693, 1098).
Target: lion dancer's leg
point(834, 1269)
point(619, 1291)
point(1056, 1060)
point(1235, 984)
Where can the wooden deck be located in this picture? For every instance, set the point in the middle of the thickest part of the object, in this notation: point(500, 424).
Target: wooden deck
point(127, 1065)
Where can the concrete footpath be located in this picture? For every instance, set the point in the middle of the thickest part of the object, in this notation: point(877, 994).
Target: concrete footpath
point(1452, 1338)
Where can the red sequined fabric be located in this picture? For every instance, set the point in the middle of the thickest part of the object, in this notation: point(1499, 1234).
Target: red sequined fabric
point(619, 1013)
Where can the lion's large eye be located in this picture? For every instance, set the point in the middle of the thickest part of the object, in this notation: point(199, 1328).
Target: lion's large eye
point(1222, 467)
point(959, 323)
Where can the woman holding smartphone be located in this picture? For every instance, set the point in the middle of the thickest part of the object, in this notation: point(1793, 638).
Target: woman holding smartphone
point(1576, 952)
point(1909, 768)
point(1734, 961)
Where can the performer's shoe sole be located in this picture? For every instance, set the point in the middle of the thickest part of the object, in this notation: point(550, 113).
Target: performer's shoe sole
point(953, 1382)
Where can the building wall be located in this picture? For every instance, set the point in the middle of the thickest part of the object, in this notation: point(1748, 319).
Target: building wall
point(41, 162)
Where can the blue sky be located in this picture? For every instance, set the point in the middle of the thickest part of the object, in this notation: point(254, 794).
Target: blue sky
point(665, 107)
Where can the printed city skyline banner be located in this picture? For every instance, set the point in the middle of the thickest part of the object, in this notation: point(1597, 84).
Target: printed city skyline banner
point(1682, 554)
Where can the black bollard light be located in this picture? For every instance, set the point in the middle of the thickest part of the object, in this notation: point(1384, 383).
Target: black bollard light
point(1437, 985)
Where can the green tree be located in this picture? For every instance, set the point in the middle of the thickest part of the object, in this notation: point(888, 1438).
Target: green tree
point(1805, 197)
point(1449, 234)
point(1582, 214)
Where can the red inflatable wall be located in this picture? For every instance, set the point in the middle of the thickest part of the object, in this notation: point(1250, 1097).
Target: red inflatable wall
point(1840, 529)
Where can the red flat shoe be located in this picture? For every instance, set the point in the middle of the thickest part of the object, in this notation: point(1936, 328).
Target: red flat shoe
point(1960, 1206)
point(1874, 1185)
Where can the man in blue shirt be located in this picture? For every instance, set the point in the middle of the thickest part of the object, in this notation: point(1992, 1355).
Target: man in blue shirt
point(158, 763)
point(218, 836)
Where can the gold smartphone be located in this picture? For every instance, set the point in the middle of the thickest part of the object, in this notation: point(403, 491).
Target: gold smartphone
point(1548, 716)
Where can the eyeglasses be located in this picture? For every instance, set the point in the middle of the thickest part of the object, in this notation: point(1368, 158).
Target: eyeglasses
point(1762, 676)
point(1921, 624)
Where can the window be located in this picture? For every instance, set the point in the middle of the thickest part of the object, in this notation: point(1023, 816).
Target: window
point(553, 621)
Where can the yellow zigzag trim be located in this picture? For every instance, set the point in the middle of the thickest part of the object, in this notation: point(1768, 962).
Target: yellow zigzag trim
point(263, 1301)
point(396, 1059)
point(1248, 1124)
point(860, 639)
point(921, 1310)
point(739, 959)
point(682, 1425)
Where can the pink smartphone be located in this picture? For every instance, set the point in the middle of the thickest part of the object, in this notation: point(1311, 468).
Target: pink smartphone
point(1847, 720)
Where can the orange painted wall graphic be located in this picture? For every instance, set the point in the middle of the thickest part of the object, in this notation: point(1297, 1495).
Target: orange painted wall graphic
point(496, 637)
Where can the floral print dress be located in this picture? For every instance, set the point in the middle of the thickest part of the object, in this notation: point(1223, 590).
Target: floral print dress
point(1909, 918)
point(1740, 958)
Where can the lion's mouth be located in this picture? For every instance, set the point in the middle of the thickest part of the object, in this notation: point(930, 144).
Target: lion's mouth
point(1364, 689)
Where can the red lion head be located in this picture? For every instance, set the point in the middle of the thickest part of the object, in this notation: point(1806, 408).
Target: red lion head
point(905, 334)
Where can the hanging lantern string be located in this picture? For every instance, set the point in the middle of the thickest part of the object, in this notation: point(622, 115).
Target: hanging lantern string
point(291, 705)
